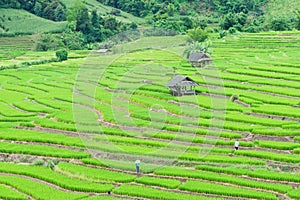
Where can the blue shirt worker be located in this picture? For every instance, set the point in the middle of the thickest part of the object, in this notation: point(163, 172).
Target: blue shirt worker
point(137, 166)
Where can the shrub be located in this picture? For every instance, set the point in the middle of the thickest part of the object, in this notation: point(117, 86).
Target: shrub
point(280, 24)
point(38, 162)
point(50, 164)
point(222, 33)
point(197, 35)
point(48, 42)
point(232, 30)
point(62, 55)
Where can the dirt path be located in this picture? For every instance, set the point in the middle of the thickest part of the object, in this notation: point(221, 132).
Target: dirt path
point(273, 138)
point(186, 178)
point(182, 180)
point(190, 192)
point(93, 193)
point(60, 146)
point(18, 109)
point(242, 103)
point(273, 116)
point(189, 143)
point(57, 131)
point(26, 158)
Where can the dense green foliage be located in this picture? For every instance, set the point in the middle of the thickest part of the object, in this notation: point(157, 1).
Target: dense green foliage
point(62, 54)
point(241, 15)
point(84, 27)
point(51, 9)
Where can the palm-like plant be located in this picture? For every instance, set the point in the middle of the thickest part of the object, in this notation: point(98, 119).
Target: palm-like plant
point(195, 47)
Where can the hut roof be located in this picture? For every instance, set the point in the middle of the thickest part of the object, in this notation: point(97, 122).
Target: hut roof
point(182, 81)
point(102, 51)
point(197, 57)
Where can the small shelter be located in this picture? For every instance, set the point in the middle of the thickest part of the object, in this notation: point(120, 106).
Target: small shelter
point(100, 51)
point(182, 85)
point(200, 59)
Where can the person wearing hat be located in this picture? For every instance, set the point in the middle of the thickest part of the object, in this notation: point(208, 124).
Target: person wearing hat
point(236, 145)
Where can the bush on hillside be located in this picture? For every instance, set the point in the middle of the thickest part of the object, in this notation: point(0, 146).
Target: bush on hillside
point(62, 54)
point(48, 42)
point(280, 24)
point(197, 35)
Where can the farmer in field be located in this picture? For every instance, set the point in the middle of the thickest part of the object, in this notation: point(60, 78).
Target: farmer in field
point(236, 145)
point(137, 166)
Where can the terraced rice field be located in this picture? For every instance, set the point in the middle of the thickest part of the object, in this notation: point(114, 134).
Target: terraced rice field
point(73, 129)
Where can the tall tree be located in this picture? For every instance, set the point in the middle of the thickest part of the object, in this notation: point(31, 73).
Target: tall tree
point(96, 34)
point(27, 4)
point(59, 13)
point(95, 19)
point(197, 35)
point(83, 21)
point(10, 4)
point(38, 9)
point(74, 10)
point(228, 21)
point(297, 19)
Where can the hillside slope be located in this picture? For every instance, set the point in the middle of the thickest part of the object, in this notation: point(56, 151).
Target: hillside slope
point(283, 13)
point(20, 21)
point(103, 10)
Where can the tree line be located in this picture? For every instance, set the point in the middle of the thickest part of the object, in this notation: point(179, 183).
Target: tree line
point(233, 15)
point(84, 28)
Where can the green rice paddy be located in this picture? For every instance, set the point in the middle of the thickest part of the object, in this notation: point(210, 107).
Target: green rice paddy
point(88, 119)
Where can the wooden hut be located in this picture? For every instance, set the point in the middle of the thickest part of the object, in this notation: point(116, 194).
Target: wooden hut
point(182, 85)
point(200, 59)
